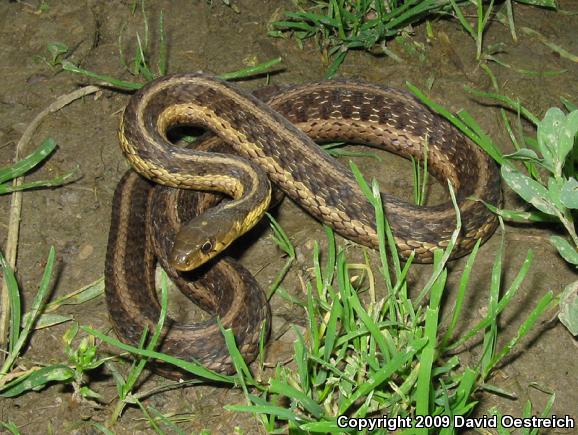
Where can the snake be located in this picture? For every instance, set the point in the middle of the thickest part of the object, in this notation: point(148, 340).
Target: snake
point(140, 236)
point(259, 143)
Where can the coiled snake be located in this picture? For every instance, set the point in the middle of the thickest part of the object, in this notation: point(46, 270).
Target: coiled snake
point(272, 140)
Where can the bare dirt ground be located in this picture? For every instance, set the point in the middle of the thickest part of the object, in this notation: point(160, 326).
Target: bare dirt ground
point(214, 38)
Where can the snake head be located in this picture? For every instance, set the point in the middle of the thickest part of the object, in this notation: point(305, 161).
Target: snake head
point(201, 239)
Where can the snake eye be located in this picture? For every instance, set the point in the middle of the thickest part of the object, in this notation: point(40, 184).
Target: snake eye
point(206, 247)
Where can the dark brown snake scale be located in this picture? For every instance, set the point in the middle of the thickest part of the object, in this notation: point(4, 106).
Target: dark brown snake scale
point(279, 142)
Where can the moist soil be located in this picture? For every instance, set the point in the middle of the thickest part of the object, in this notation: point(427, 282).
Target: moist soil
point(216, 38)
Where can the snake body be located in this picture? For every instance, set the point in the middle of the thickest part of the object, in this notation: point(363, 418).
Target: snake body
point(138, 232)
point(277, 137)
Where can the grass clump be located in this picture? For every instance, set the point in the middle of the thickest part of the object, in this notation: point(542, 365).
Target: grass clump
point(15, 381)
point(22, 167)
point(365, 356)
point(384, 357)
point(548, 179)
point(338, 26)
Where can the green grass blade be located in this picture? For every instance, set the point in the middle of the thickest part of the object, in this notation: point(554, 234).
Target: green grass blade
point(322, 427)
point(137, 369)
point(331, 331)
point(238, 360)
point(462, 19)
point(464, 280)
point(151, 421)
point(554, 47)
point(70, 67)
point(521, 216)
point(383, 230)
point(371, 326)
point(48, 320)
point(461, 404)
point(329, 269)
point(102, 428)
point(337, 11)
point(77, 297)
point(30, 161)
point(491, 333)
point(456, 121)
point(516, 283)
point(507, 102)
point(427, 355)
point(287, 390)
point(439, 267)
point(35, 311)
point(15, 304)
point(141, 60)
point(548, 4)
point(337, 61)
point(53, 182)
point(251, 71)
point(526, 72)
point(483, 140)
point(545, 303)
point(10, 427)
point(278, 411)
point(191, 367)
point(392, 366)
point(281, 238)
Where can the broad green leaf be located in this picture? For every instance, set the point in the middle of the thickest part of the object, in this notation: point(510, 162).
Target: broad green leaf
point(554, 188)
point(548, 136)
point(567, 251)
point(556, 134)
point(38, 380)
point(567, 134)
point(569, 193)
point(569, 308)
point(530, 190)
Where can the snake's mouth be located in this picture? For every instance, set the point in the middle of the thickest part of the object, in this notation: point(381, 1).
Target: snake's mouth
point(182, 262)
point(187, 255)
